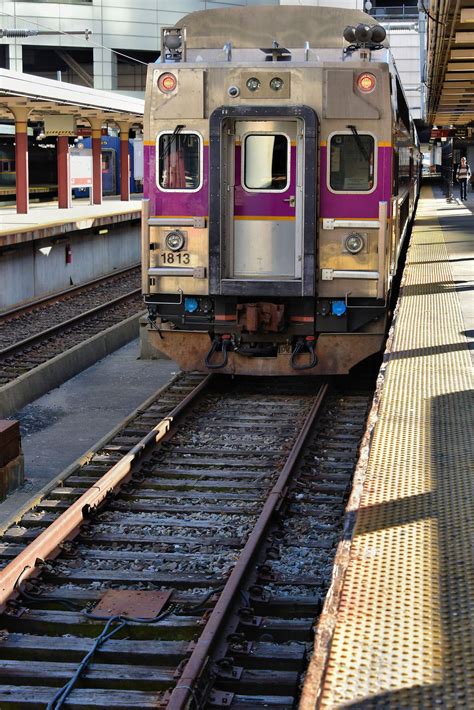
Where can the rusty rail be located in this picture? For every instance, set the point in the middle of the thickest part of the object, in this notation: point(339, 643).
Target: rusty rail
point(66, 526)
point(185, 686)
point(54, 329)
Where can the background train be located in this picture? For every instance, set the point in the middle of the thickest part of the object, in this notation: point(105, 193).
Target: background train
point(282, 169)
point(42, 164)
point(111, 165)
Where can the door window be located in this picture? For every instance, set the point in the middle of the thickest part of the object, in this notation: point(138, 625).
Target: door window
point(266, 162)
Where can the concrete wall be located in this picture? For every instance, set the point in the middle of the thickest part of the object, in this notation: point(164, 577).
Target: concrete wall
point(26, 273)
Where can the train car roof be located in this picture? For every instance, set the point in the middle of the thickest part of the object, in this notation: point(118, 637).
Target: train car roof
point(290, 25)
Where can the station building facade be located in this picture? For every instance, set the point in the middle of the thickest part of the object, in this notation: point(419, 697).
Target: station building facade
point(129, 27)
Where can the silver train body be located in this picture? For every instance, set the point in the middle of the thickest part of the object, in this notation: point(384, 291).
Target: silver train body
point(281, 174)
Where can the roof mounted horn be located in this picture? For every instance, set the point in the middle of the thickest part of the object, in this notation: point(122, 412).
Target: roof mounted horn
point(364, 37)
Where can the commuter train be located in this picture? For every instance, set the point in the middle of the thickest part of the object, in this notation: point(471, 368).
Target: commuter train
point(111, 165)
point(282, 169)
point(43, 173)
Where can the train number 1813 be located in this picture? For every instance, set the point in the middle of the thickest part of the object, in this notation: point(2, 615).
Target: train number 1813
point(169, 257)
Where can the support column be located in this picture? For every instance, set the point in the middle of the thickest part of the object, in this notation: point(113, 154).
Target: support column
point(15, 57)
point(124, 163)
point(21, 159)
point(105, 69)
point(64, 182)
point(96, 126)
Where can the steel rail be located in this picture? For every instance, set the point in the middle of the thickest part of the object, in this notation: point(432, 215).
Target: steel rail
point(61, 478)
point(186, 685)
point(67, 525)
point(61, 295)
point(38, 337)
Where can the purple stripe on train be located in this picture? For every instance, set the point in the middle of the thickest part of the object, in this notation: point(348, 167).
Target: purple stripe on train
point(177, 204)
point(364, 206)
point(347, 206)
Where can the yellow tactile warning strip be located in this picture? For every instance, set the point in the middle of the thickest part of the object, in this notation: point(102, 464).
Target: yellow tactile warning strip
point(404, 629)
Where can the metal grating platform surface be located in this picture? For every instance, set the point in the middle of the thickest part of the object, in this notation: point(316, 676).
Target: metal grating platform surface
point(404, 616)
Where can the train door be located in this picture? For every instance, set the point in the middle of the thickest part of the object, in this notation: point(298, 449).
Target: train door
point(262, 201)
point(264, 210)
point(109, 173)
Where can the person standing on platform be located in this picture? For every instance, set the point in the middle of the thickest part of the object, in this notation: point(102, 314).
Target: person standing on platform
point(463, 174)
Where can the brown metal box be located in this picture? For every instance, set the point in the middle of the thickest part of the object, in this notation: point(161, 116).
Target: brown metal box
point(9, 440)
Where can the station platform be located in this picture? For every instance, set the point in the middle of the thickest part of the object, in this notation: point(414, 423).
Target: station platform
point(46, 220)
point(397, 628)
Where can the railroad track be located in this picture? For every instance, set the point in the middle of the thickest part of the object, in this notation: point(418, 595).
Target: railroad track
point(36, 332)
point(203, 555)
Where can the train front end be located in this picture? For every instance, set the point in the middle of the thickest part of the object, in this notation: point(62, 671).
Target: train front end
point(268, 245)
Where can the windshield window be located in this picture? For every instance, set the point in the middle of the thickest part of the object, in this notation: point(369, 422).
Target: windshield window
point(179, 161)
point(352, 163)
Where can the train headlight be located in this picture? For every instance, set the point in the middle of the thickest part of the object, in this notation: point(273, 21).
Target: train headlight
point(276, 83)
point(354, 243)
point(253, 83)
point(167, 82)
point(366, 82)
point(174, 240)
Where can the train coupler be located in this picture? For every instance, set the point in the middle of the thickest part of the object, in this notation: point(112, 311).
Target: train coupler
point(220, 344)
point(307, 344)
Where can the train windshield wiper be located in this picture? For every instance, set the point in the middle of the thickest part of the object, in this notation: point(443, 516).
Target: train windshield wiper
point(172, 139)
point(359, 143)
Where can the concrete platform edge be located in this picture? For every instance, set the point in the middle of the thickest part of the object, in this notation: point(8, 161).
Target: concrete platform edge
point(83, 459)
point(322, 643)
point(33, 384)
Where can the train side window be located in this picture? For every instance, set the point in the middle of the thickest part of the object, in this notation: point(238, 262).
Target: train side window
point(179, 164)
point(352, 163)
point(266, 162)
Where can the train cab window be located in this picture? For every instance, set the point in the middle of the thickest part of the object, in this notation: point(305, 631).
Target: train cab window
point(179, 161)
point(352, 159)
point(266, 162)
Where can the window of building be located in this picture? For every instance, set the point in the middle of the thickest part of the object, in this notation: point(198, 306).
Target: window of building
point(179, 161)
point(4, 61)
point(351, 163)
point(132, 67)
point(266, 162)
point(75, 65)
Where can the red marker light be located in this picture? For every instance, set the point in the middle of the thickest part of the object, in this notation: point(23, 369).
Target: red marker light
point(366, 83)
point(167, 83)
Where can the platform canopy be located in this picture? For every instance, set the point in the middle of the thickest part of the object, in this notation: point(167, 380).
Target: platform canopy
point(450, 64)
point(46, 96)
